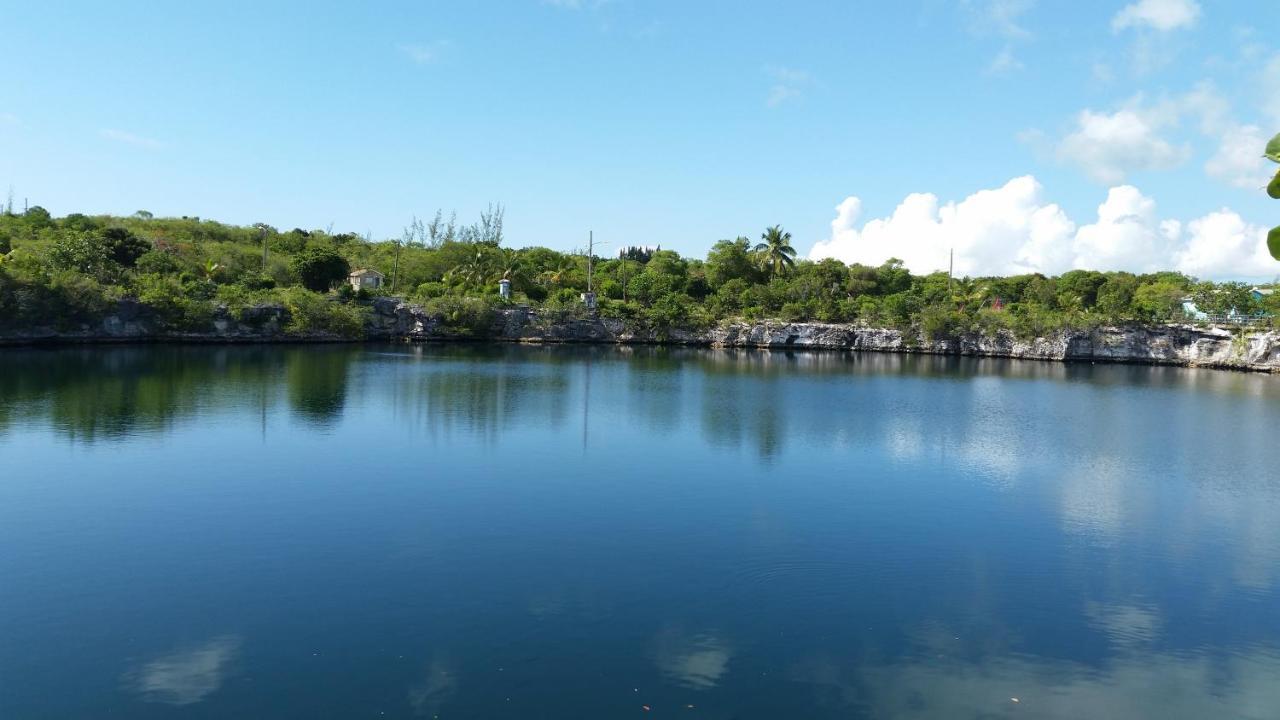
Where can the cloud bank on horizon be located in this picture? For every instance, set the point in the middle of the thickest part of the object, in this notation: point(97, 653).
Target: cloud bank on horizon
point(1013, 229)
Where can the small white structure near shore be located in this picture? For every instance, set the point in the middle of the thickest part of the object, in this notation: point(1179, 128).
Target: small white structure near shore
point(365, 279)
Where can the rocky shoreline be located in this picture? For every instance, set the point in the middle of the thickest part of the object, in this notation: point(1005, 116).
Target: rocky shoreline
point(393, 320)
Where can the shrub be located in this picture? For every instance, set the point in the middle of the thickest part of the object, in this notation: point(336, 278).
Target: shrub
point(310, 312)
point(473, 316)
point(174, 303)
point(158, 262)
point(319, 268)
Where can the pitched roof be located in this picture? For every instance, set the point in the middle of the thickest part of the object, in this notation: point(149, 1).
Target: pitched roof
point(363, 272)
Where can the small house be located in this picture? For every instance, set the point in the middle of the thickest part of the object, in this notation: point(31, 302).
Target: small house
point(365, 279)
point(1261, 293)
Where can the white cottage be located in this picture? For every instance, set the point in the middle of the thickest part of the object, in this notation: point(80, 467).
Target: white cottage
point(365, 279)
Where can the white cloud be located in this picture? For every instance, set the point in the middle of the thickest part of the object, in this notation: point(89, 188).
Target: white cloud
point(1013, 229)
point(1238, 160)
point(1004, 62)
point(423, 53)
point(1159, 15)
point(787, 84)
point(1001, 17)
point(1108, 146)
point(129, 138)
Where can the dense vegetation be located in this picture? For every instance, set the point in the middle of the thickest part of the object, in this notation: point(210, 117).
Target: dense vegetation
point(67, 272)
point(1272, 153)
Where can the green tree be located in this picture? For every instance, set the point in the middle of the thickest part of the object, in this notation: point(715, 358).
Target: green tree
point(731, 260)
point(124, 247)
point(1273, 189)
point(776, 256)
point(1159, 301)
point(319, 268)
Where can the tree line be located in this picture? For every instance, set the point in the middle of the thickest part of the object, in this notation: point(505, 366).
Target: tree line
point(69, 271)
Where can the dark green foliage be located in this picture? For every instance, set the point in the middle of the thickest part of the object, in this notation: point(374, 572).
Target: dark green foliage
point(124, 247)
point(67, 272)
point(1272, 153)
point(320, 268)
point(731, 260)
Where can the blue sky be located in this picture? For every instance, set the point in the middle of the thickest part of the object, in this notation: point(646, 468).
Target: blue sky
point(672, 123)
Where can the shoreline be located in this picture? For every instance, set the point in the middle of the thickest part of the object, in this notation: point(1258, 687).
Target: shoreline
point(391, 320)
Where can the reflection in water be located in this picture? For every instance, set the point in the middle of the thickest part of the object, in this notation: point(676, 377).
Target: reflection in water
point(186, 676)
point(439, 683)
point(317, 382)
point(1166, 686)
point(697, 662)
point(1126, 626)
point(839, 534)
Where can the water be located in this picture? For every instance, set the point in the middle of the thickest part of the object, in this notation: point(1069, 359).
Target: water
point(511, 532)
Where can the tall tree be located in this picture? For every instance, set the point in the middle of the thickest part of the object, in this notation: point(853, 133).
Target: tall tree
point(775, 254)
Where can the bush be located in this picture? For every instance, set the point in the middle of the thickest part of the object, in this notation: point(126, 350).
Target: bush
point(319, 268)
point(158, 262)
point(472, 316)
point(174, 303)
point(310, 312)
point(939, 322)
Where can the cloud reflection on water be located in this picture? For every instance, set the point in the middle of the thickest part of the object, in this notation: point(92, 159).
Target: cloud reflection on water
point(186, 676)
point(697, 662)
point(1167, 686)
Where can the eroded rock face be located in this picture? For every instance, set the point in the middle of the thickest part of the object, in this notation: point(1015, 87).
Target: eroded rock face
point(391, 319)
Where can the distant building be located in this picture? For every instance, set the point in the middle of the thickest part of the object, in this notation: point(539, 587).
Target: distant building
point(1191, 311)
point(1261, 294)
point(365, 279)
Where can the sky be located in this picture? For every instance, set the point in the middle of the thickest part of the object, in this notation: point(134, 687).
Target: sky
point(1024, 135)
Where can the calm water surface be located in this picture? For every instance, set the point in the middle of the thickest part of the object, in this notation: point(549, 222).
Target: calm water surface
point(508, 532)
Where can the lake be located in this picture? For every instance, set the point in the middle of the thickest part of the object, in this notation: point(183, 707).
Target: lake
point(611, 532)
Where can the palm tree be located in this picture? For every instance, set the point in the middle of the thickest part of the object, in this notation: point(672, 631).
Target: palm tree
point(774, 253)
point(509, 266)
point(559, 273)
point(473, 271)
point(211, 269)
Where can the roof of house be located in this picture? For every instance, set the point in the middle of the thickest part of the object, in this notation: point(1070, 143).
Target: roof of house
point(365, 272)
point(1264, 291)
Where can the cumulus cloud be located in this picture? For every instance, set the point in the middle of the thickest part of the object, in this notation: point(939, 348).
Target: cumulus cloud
point(1159, 15)
point(1014, 229)
point(1109, 146)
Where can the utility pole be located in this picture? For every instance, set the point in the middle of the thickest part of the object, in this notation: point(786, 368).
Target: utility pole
point(395, 267)
point(262, 234)
point(591, 251)
point(951, 266)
